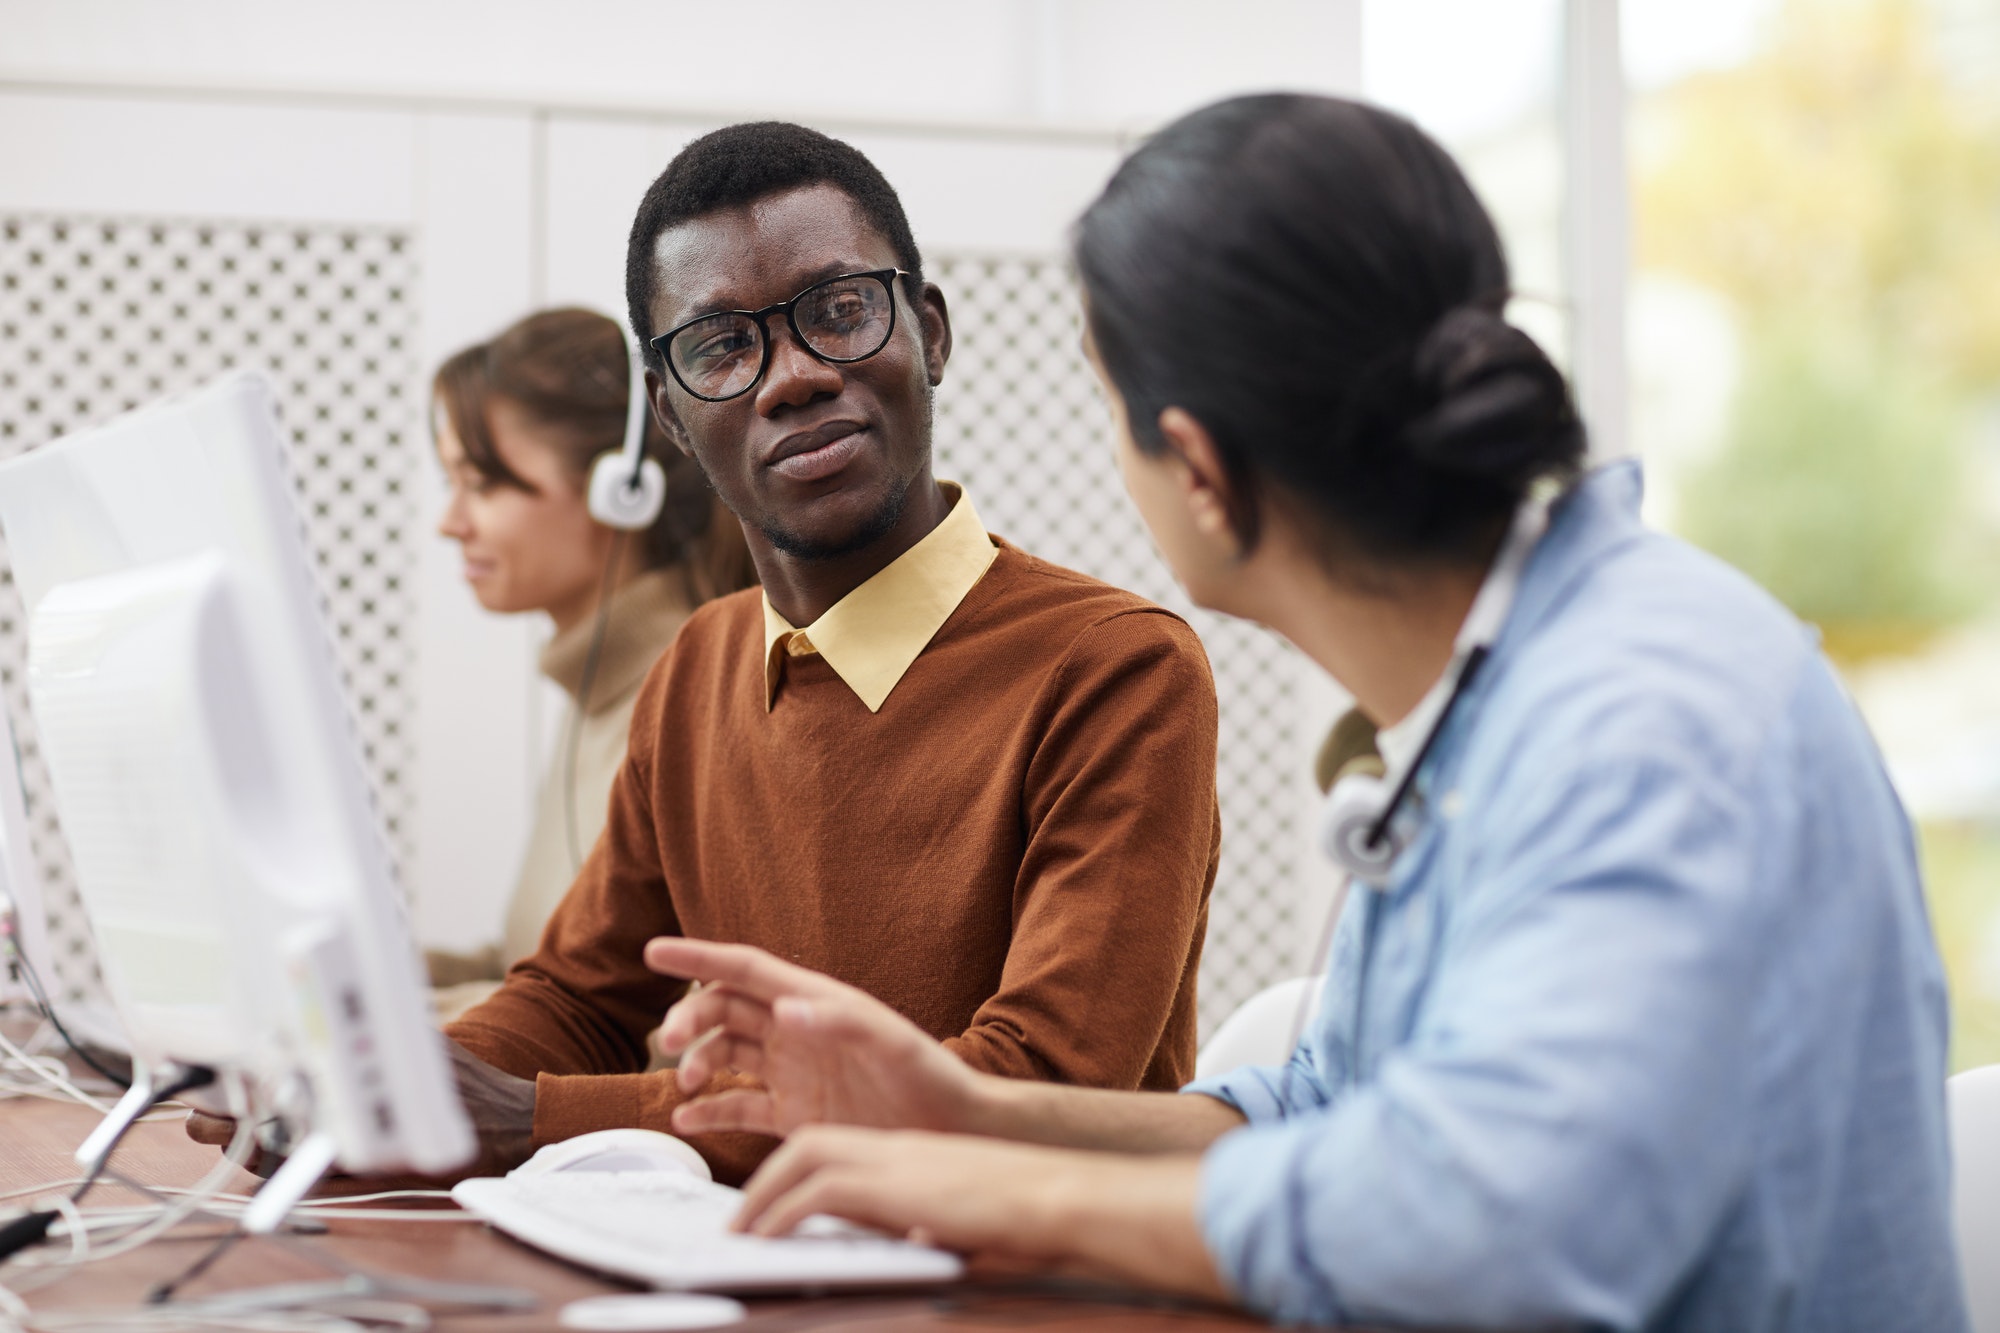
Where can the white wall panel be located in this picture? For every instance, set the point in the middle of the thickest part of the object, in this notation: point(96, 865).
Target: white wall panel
point(1135, 62)
point(476, 680)
point(598, 169)
point(990, 194)
point(874, 57)
point(132, 155)
point(1119, 63)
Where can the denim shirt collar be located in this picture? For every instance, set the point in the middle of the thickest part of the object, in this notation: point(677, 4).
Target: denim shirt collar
point(1599, 515)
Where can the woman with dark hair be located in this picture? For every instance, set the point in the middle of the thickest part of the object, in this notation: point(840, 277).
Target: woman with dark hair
point(519, 419)
point(1636, 1021)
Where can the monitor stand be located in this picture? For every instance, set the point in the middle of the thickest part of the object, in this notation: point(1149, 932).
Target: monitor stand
point(94, 1151)
point(148, 1090)
point(304, 1165)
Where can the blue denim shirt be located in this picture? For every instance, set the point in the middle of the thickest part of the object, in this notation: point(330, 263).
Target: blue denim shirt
point(1648, 1029)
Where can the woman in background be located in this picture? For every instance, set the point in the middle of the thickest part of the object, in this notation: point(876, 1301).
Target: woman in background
point(518, 420)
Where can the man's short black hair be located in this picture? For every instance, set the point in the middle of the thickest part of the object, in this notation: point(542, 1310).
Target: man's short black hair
point(738, 165)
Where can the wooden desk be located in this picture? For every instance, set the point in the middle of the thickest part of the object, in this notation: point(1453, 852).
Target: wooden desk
point(37, 1138)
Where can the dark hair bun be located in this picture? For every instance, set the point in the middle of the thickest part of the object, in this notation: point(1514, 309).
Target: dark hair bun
point(1494, 408)
point(1315, 282)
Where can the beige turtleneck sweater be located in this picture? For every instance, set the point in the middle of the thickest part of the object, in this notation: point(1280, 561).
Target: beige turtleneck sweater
point(645, 615)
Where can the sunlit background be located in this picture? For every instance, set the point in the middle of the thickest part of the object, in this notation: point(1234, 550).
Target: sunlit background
point(1764, 235)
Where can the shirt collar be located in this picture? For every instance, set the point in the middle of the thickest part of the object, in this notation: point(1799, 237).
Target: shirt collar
point(1599, 515)
point(871, 636)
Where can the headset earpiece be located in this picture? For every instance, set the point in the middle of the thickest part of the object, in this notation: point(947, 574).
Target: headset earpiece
point(1353, 809)
point(628, 489)
point(620, 499)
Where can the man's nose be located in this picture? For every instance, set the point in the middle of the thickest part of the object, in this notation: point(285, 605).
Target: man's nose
point(794, 377)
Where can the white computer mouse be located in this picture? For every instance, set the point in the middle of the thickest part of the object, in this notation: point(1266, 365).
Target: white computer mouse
point(650, 1310)
point(617, 1150)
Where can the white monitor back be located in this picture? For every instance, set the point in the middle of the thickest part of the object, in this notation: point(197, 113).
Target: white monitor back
point(209, 779)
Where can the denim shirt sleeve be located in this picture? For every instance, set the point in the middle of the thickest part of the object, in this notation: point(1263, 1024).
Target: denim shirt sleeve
point(1268, 1092)
point(1555, 1139)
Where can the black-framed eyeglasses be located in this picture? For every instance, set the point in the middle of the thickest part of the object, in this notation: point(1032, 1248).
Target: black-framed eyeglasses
point(719, 356)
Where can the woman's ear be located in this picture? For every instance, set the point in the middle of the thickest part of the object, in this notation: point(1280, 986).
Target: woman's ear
point(1212, 503)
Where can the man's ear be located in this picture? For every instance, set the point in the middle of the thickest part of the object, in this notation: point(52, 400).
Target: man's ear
point(935, 320)
point(1214, 503)
point(663, 412)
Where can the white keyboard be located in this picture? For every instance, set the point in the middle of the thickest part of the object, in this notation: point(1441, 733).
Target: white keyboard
point(670, 1231)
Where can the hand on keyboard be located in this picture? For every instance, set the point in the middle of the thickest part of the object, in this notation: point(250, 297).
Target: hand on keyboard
point(1009, 1207)
point(672, 1230)
point(826, 1053)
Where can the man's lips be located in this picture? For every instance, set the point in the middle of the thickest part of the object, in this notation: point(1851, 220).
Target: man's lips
point(809, 455)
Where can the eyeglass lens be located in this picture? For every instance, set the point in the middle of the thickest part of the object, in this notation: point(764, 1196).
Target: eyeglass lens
point(845, 319)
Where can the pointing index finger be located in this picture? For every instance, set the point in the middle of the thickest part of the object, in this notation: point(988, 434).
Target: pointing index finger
point(743, 966)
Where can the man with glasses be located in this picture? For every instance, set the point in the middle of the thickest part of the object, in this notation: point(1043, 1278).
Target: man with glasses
point(972, 783)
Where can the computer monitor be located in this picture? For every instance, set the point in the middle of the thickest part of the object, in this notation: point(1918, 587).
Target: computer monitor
point(209, 779)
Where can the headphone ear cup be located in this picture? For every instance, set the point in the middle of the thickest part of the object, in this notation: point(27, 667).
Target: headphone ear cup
point(1352, 809)
point(618, 498)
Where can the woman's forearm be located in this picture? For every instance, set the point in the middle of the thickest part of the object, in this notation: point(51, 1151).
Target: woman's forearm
point(1095, 1118)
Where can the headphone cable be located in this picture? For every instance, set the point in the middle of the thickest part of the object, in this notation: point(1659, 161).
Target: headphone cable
point(40, 996)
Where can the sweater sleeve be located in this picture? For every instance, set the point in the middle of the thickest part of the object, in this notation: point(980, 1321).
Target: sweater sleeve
point(574, 1015)
point(1111, 900)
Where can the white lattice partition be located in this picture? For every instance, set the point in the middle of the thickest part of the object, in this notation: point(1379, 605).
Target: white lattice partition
point(98, 315)
point(1021, 422)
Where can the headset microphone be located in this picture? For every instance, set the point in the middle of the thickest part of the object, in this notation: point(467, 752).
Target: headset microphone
point(627, 489)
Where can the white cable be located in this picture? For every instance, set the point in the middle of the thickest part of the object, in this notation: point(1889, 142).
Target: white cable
point(226, 1204)
point(79, 1234)
point(191, 1201)
point(376, 1197)
point(14, 1313)
point(337, 1312)
point(46, 1187)
point(50, 1071)
point(222, 1206)
point(202, 1317)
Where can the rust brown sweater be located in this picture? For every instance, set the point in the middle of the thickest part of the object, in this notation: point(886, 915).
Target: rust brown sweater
point(1015, 852)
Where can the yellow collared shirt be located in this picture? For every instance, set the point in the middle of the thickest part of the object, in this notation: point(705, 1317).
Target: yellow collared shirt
point(871, 636)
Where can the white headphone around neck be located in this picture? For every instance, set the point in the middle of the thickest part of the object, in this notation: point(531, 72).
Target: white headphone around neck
point(1358, 831)
point(627, 489)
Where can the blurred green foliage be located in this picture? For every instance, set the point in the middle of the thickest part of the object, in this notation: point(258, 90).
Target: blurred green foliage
point(1844, 194)
point(1841, 487)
